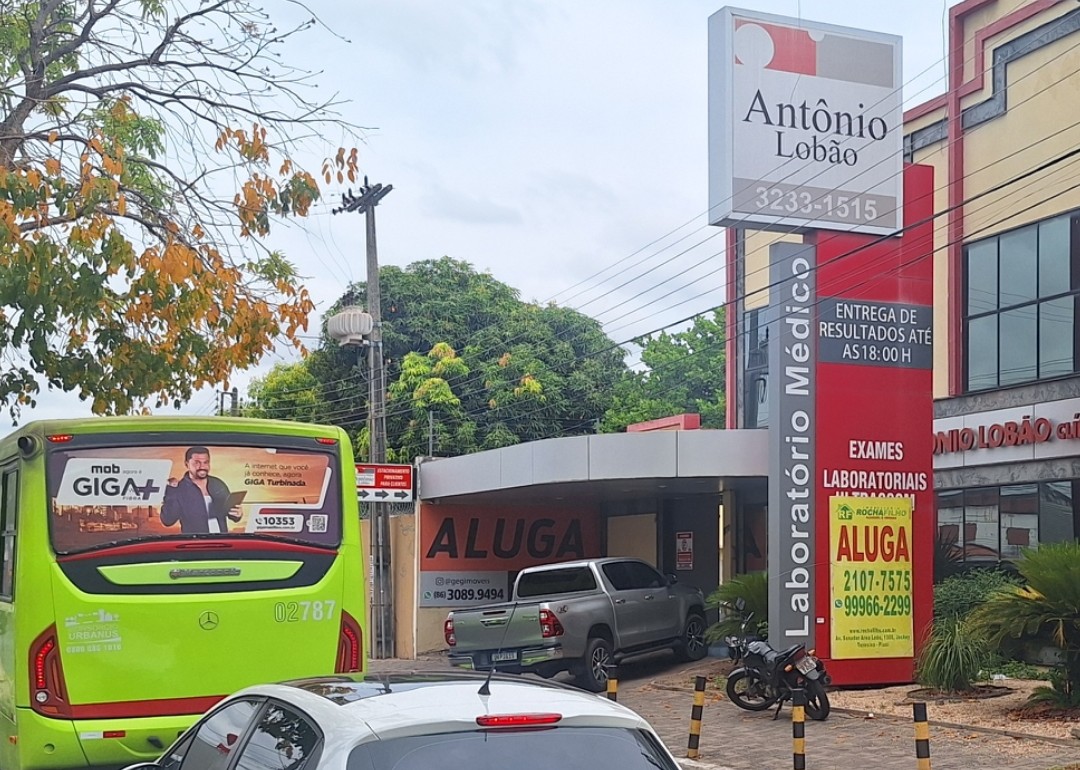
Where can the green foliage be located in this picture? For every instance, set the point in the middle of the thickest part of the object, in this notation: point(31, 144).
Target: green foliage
point(948, 558)
point(492, 370)
point(1016, 669)
point(288, 387)
point(953, 656)
point(144, 151)
point(1061, 693)
point(753, 589)
point(1045, 609)
point(957, 596)
point(684, 373)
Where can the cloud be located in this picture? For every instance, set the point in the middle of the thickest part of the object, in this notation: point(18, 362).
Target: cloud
point(461, 207)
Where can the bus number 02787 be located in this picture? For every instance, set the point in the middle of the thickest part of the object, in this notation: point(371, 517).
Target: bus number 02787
point(301, 612)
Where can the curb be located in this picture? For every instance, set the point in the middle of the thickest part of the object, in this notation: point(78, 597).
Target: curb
point(1072, 744)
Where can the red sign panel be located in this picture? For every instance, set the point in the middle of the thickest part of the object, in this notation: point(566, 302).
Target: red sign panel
point(874, 398)
point(384, 483)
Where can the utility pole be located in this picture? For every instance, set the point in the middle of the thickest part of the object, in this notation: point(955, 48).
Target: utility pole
point(383, 617)
point(234, 410)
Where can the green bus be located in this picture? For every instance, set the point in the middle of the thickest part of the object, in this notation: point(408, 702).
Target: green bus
point(150, 566)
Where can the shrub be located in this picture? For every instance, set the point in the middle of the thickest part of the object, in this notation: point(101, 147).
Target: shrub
point(752, 588)
point(1016, 669)
point(1045, 609)
point(952, 657)
point(957, 596)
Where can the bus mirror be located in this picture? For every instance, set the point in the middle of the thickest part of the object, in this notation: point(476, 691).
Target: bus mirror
point(29, 446)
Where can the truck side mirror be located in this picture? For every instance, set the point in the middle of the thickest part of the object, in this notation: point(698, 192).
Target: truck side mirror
point(672, 578)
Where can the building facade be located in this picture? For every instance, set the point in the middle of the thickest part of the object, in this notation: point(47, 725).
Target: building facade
point(1002, 141)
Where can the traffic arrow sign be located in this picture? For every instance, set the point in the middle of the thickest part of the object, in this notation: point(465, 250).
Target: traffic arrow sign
point(379, 482)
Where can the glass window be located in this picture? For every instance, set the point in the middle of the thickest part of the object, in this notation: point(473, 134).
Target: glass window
point(1056, 511)
point(980, 532)
point(218, 736)
point(982, 274)
point(1056, 343)
point(1018, 348)
point(644, 576)
point(992, 524)
point(1017, 266)
point(982, 352)
point(599, 748)
point(282, 740)
point(1021, 305)
point(1055, 270)
point(950, 511)
point(1019, 519)
point(617, 575)
point(9, 504)
point(108, 490)
point(556, 581)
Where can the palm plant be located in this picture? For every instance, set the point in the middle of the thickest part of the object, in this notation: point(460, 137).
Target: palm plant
point(753, 589)
point(1046, 608)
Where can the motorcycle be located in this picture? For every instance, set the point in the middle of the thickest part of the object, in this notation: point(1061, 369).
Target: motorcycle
point(769, 677)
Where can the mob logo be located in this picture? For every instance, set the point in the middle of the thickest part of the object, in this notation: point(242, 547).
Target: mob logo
point(114, 486)
point(120, 481)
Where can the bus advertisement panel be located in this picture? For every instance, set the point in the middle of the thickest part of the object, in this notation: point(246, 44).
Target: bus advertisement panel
point(160, 564)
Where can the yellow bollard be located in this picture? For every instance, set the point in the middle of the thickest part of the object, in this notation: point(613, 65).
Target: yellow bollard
point(922, 737)
point(798, 729)
point(695, 718)
point(613, 683)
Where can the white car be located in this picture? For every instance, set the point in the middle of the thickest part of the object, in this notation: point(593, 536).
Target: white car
point(417, 722)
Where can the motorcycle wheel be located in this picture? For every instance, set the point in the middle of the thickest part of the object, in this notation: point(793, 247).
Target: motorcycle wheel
point(817, 701)
point(747, 691)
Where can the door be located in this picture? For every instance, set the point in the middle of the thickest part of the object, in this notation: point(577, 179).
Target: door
point(645, 610)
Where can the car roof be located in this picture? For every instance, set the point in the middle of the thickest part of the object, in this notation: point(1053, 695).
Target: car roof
point(583, 563)
point(361, 707)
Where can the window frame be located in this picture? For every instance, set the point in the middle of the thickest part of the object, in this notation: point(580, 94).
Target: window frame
point(9, 527)
point(1034, 305)
point(262, 705)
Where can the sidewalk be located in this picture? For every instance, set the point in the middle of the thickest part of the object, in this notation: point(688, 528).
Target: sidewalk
point(732, 739)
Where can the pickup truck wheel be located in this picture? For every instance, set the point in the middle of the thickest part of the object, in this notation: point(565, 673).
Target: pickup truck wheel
point(592, 672)
point(692, 645)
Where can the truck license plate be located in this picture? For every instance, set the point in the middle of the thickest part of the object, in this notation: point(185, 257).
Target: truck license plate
point(502, 657)
point(806, 665)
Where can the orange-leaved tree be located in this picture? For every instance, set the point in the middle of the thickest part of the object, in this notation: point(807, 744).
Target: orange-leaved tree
point(145, 148)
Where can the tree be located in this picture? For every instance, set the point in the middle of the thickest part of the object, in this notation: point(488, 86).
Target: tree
point(144, 148)
point(421, 400)
point(684, 372)
point(521, 371)
point(288, 387)
point(1046, 609)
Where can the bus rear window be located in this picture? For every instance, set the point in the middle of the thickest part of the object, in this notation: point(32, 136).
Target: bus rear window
point(109, 495)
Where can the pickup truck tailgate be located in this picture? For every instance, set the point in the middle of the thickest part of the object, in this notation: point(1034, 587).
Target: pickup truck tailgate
point(497, 625)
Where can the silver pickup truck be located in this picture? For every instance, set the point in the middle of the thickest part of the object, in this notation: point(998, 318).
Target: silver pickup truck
point(581, 616)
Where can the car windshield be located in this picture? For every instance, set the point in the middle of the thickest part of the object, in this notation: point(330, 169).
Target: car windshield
point(595, 748)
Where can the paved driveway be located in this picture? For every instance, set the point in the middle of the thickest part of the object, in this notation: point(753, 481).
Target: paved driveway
point(661, 691)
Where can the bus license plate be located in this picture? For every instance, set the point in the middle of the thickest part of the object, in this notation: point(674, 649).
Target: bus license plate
point(806, 665)
point(502, 657)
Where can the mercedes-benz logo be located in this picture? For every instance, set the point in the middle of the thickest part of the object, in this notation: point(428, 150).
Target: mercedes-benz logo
point(208, 621)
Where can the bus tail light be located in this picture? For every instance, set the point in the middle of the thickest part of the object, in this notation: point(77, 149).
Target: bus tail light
point(48, 692)
point(350, 655)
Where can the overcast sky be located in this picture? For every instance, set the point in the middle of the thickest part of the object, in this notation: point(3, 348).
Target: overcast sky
point(543, 141)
